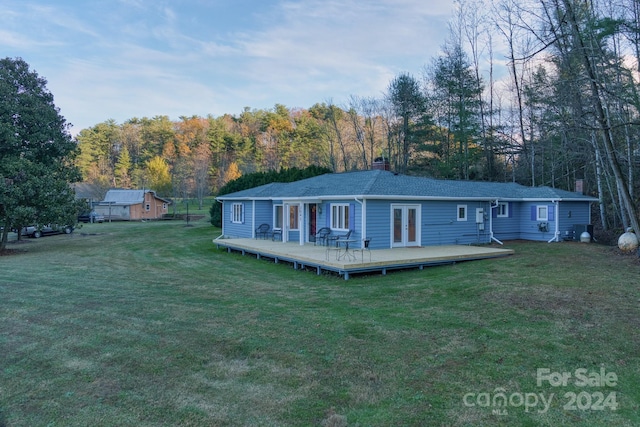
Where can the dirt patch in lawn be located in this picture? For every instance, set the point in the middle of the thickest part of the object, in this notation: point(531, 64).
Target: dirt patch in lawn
point(9, 252)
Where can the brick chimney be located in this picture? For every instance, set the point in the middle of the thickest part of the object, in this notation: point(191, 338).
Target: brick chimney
point(380, 163)
point(580, 186)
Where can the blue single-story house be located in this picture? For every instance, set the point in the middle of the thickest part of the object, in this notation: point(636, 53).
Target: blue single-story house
point(394, 210)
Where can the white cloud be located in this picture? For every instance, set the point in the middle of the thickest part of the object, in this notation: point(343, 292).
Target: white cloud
point(143, 57)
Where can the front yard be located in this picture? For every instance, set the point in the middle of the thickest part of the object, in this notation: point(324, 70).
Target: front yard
point(147, 324)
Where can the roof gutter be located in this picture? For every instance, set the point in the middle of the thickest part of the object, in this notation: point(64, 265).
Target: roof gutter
point(362, 197)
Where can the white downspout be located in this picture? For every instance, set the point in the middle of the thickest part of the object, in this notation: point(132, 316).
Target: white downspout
point(363, 219)
point(557, 221)
point(492, 206)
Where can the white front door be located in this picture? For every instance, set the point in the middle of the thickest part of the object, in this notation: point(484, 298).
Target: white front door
point(405, 225)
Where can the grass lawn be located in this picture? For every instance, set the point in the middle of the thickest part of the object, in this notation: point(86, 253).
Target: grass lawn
point(147, 324)
point(181, 206)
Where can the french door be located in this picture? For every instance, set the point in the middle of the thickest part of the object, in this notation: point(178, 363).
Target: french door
point(405, 227)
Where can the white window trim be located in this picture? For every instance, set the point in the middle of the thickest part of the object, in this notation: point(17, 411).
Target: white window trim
point(506, 210)
point(463, 218)
point(546, 213)
point(343, 211)
point(237, 212)
point(275, 209)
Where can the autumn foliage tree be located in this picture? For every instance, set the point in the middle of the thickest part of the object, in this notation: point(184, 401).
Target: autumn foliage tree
point(158, 175)
point(563, 107)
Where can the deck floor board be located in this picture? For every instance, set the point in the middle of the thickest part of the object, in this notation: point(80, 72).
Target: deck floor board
point(381, 259)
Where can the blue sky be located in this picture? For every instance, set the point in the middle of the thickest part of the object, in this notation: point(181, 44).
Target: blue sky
point(118, 59)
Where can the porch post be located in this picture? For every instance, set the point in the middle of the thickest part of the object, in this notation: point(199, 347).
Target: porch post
point(253, 219)
point(301, 223)
point(285, 222)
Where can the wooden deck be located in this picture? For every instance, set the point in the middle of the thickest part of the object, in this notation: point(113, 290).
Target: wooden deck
point(322, 258)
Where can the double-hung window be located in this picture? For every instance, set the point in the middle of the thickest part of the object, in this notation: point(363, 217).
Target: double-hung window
point(542, 213)
point(503, 210)
point(340, 216)
point(237, 213)
point(462, 212)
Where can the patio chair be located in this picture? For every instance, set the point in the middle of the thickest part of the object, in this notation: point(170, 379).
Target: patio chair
point(322, 236)
point(336, 237)
point(366, 247)
point(263, 230)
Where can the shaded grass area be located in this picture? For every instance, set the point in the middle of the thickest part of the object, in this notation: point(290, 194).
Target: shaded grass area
point(148, 324)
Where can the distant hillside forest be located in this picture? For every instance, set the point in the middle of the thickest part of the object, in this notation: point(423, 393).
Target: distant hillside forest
point(565, 109)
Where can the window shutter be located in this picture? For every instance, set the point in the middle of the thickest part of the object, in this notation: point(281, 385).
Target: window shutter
point(510, 207)
point(352, 216)
point(534, 213)
point(550, 213)
point(494, 212)
point(327, 211)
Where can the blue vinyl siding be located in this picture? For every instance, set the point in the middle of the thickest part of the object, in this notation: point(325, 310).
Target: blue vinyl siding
point(571, 214)
point(355, 219)
point(242, 230)
point(440, 225)
point(508, 228)
point(294, 236)
point(529, 229)
point(524, 224)
point(378, 223)
point(264, 213)
point(324, 219)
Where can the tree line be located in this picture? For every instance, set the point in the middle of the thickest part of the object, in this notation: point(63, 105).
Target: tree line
point(257, 179)
point(536, 92)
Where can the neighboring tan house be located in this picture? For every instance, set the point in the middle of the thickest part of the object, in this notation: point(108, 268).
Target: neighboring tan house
point(128, 205)
point(395, 210)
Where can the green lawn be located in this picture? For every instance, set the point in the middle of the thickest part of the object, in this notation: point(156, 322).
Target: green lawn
point(147, 324)
point(180, 206)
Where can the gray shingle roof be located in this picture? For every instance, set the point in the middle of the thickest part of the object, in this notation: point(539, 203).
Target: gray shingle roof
point(384, 184)
point(127, 197)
